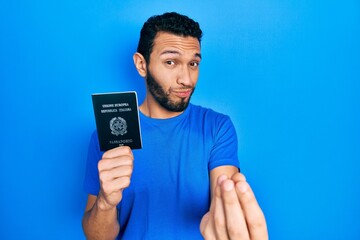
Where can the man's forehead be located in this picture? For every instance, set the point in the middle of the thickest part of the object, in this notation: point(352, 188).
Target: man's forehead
point(170, 42)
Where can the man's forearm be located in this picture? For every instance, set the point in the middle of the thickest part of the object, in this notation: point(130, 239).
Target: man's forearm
point(101, 224)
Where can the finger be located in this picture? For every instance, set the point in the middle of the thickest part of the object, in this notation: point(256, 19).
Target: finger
point(204, 222)
point(220, 179)
point(219, 215)
point(238, 177)
point(235, 220)
point(106, 164)
point(254, 216)
point(207, 227)
point(115, 152)
point(116, 185)
point(207, 224)
point(121, 171)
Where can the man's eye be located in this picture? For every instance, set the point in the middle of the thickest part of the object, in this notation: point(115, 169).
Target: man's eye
point(169, 62)
point(194, 64)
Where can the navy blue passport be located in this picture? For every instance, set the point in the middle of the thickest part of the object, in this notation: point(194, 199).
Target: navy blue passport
point(117, 120)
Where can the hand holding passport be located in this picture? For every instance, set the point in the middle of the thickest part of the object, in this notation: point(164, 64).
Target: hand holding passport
point(117, 120)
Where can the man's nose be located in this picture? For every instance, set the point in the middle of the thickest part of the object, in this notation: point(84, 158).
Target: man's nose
point(184, 77)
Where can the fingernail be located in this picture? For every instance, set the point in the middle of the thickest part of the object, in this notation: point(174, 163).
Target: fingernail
point(228, 185)
point(241, 186)
point(221, 179)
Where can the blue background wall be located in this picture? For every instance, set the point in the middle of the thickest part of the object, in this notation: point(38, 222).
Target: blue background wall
point(287, 72)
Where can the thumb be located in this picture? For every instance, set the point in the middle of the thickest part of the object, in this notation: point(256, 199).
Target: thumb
point(204, 222)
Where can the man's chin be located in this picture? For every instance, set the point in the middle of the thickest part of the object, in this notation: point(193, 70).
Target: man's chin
point(179, 106)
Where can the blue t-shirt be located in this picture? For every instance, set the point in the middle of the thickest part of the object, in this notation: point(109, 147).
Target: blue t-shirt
point(170, 185)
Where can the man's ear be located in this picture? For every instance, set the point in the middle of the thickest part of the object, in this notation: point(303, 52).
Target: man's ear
point(140, 64)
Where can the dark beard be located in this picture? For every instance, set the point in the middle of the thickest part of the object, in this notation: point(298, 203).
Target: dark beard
point(162, 97)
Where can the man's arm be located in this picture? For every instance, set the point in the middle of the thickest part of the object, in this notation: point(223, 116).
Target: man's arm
point(100, 218)
point(234, 212)
point(99, 223)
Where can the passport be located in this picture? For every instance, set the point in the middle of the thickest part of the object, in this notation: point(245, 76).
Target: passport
point(117, 120)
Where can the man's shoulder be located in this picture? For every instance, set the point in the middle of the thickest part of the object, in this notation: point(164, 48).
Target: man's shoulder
point(206, 112)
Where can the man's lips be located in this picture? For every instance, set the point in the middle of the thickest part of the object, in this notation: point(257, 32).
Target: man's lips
point(183, 93)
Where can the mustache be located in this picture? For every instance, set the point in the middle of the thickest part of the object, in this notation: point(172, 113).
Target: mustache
point(184, 88)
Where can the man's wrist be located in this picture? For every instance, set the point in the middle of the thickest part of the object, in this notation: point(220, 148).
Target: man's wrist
point(103, 205)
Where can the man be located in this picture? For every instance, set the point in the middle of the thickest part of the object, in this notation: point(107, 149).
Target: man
point(185, 182)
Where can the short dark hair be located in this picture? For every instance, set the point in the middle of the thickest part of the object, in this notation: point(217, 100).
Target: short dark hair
point(170, 22)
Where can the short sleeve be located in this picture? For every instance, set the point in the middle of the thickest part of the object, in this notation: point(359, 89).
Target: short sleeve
point(91, 181)
point(225, 147)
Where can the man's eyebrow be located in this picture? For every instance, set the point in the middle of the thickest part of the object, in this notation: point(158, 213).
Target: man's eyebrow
point(198, 55)
point(170, 52)
point(178, 53)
